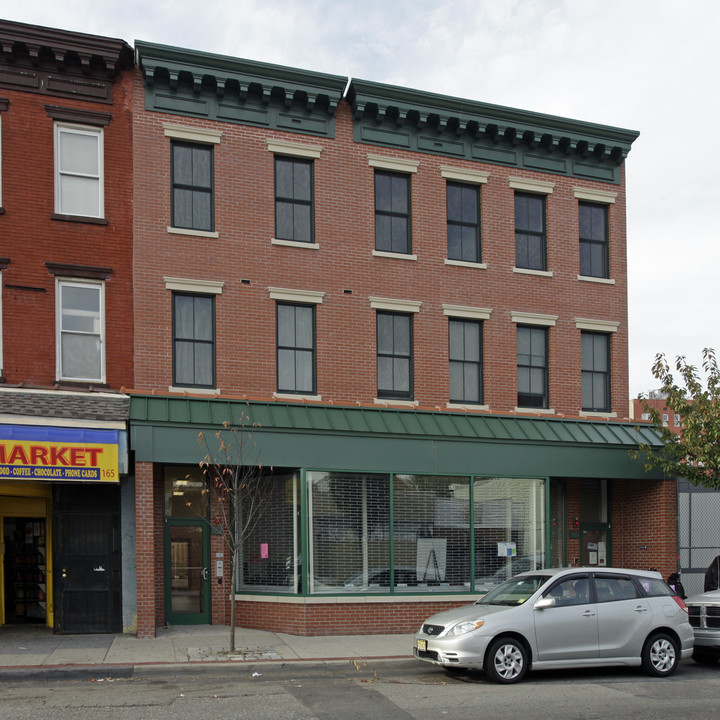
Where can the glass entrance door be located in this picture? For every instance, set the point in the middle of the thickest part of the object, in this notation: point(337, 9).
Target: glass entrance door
point(595, 545)
point(187, 548)
point(189, 570)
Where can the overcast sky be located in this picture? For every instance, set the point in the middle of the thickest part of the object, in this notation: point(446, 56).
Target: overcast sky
point(647, 65)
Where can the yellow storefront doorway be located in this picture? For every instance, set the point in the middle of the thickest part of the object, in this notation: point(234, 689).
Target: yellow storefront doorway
point(26, 558)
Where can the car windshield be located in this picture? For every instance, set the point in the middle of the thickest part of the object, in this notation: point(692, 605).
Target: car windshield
point(514, 591)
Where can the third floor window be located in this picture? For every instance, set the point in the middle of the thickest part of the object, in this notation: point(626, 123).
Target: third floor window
point(192, 187)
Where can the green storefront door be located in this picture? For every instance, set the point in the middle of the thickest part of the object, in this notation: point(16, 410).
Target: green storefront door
point(187, 548)
point(187, 573)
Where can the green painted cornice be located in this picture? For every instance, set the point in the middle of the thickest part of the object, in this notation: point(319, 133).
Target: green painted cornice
point(427, 122)
point(176, 79)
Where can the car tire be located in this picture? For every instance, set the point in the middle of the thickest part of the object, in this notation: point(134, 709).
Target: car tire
point(704, 658)
point(506, 661)
point(660, 655)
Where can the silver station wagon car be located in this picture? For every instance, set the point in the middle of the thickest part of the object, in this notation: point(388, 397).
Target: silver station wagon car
point(563, 618)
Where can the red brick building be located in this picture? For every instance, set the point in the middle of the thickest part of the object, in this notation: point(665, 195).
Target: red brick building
point(65, 326)
point(417, 305)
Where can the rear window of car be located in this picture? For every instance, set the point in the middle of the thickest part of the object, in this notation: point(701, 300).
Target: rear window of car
point(654, 587)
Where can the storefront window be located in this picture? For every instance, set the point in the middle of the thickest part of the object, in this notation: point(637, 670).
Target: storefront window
point(349, 537)
point(270, 548)
point(351, 532)
point(184, 496)
point(509, 528)
point(432, 532)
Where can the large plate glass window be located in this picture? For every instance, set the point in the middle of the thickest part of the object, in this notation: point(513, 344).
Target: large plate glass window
point(349, 532)
point(431, 532)
point(509, 532)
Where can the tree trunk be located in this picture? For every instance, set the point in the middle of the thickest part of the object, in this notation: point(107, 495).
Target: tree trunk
point(233, 566)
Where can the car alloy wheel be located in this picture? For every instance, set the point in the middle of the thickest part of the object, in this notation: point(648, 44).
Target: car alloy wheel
point(660, 655)
point(507, 661)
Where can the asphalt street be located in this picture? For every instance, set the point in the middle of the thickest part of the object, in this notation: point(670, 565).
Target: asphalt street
point(357, 690)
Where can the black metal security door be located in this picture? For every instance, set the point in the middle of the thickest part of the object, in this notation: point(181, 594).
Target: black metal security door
point(87, 567)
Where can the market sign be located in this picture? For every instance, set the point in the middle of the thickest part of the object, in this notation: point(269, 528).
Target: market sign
point(56, 454)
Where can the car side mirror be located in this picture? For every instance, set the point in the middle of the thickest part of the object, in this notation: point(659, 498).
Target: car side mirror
point(543, 603)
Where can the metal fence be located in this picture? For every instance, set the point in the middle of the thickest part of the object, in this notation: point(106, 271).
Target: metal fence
point(698, 533)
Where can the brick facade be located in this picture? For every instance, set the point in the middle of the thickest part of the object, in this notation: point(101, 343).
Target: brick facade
point(245, 260)
point(341, 269)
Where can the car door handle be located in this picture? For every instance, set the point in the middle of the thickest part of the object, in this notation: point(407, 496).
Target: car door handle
point(640, 608)
point(588, 613)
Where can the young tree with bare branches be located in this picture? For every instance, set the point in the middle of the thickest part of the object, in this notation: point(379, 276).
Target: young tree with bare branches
point(237, 490)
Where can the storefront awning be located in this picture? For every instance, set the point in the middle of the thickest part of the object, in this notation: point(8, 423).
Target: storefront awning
point(165, 429)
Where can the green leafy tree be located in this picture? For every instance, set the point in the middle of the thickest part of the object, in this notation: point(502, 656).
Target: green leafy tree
point(238, 492)
point(695, 453)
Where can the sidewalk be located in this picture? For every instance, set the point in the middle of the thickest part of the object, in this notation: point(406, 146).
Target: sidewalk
point(26, 647)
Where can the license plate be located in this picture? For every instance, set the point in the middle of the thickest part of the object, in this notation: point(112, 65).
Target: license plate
point(421, 645)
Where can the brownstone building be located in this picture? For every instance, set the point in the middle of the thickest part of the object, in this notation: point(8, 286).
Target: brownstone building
point(417, 305)
point(65, 327)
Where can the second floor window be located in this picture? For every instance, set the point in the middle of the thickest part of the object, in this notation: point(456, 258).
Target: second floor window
point(79, 185)
point(80, 331)
point(593, 240)
point(392, 212)
point(530, 241)
point(395, 355)
point(465, 361)
point(193, 340)
point(532, 364)
point(192, 187)
point(595, 349)
point(463, 222)
point(295, 348)
point(294, 199)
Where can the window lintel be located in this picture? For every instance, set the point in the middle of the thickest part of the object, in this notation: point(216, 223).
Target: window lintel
point(464, 175)
point(78, 116)
point(191, 134)
point(526, 318)
point(605, 326)
point(542, 187)
point(404, 306)
point(78, 271)
point(597, 196)
point(208, 287)
point(309, 297)
point(294, 149)
point(382, 162)
point(462, 311)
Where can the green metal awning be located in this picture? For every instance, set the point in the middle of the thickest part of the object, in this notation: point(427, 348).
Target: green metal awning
point(165, 429)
